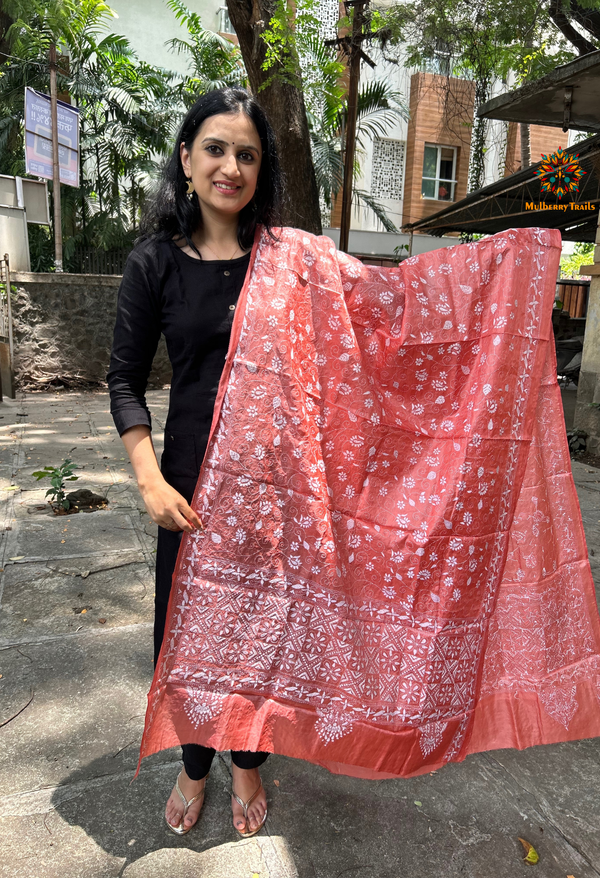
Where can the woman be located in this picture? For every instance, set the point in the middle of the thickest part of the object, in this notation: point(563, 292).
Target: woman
point(391, 572)
point(183, 280)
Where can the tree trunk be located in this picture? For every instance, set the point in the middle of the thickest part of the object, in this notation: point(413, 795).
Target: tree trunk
point(559, 16)
point(525, 145)
point(284, 105)
point(587, 18)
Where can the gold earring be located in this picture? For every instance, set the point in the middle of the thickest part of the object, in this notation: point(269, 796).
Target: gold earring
point(190, 187)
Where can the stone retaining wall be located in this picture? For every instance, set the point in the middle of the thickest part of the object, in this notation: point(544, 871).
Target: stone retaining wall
point(63, 326)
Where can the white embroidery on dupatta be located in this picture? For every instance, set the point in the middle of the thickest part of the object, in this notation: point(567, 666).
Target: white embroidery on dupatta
point(395, 659)
point(202, 706)
point(559, 703)
point(333, 725)
point(431, 736)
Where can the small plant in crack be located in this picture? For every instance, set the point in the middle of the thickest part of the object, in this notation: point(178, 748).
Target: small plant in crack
point(58, 475)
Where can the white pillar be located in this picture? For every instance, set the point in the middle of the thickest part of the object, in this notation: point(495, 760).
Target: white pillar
point(587, 411)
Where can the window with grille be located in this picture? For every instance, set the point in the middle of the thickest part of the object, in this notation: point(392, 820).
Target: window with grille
point(388, 168)
point(439, 172)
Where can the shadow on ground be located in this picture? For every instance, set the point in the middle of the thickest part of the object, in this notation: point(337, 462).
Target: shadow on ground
point(464, 820)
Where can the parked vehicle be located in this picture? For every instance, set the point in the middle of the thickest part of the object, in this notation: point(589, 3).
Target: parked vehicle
point(568, 358)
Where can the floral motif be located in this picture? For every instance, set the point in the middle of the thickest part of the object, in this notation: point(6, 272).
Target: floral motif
point(559, 702)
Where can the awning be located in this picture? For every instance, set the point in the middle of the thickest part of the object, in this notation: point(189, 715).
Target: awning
point(517, 201)
point(569, 97)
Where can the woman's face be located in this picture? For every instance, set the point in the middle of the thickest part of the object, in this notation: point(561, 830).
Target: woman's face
point(224, 162)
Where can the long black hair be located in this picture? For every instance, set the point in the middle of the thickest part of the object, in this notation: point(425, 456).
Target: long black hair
point(171, 214)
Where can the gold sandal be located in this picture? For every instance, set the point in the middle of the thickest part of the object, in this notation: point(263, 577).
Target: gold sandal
point(181, 829)
point(245, 806)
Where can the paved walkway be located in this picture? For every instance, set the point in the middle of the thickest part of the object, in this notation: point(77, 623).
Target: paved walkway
point(75, 642)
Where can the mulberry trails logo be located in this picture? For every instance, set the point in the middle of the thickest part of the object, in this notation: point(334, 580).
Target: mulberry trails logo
point(559, 174)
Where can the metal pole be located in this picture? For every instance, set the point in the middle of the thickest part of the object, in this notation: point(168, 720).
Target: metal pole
point(355, 52)
point(58, 254)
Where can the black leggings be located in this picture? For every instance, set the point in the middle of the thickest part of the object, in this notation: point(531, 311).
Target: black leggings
point(196, 758)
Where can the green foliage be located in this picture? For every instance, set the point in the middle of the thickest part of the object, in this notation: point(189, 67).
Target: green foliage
point(379, 106)
point(479, 38)
point(583, 254)
point(470, 237)
point(58, 476)
point(214, 61)
point(295, 31)
point(126, 115)
point(41, 248)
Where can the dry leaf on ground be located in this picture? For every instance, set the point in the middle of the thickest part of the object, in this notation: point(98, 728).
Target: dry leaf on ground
point(531, 855)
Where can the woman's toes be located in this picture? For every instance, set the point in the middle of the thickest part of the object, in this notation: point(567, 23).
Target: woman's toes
point(174, 812)
point(255, 815)
point(238, 816)
point(192, 815)
point(245, 784)
point(239, 822)
point(173, 815)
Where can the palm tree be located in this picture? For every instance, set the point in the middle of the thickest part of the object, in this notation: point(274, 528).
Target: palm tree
point(379, 107)
point(126, 112)
point(214, 61)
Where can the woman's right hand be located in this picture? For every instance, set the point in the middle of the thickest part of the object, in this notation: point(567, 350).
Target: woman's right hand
point(167, 507)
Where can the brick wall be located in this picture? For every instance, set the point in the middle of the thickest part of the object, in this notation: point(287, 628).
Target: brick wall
point(441, 112)
point(543, 139)
point(62, 327)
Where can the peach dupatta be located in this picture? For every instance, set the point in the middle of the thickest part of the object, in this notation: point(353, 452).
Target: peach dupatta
point(393, 572)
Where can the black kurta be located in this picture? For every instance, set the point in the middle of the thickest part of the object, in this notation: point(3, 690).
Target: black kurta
point(192, 302)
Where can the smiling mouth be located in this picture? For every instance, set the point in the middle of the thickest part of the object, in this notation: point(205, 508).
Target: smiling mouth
point(226, 187)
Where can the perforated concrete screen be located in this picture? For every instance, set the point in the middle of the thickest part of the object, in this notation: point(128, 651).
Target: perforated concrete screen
point(388, 168)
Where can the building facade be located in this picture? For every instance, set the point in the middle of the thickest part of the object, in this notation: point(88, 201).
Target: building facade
point(422, 163)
